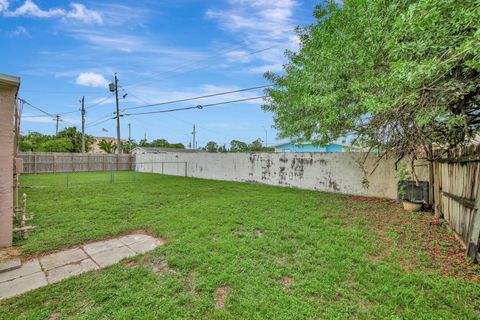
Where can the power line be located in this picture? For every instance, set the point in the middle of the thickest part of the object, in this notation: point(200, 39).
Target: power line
point(187, 63)
point(195, 69)
point(101, 101)
point(195, 107)
point(196, 98)
point(99, 121)
point(36, 108)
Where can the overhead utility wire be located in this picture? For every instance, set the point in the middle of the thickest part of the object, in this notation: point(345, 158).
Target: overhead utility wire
point(191, 62)
point(195, 107)
point(196, 98)
point(36, 108)
point(195, 69)
point(99, 122)
point(62, 113)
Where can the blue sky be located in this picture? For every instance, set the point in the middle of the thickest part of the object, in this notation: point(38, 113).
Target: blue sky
point(161, 50)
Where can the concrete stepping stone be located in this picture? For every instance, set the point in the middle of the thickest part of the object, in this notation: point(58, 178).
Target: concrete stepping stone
point(112, 256)
point(71, 262)
point(133, 238)
point(28, 268)
point(62, 258)
point(93, 248)
point(10, 265)
point(23, 284)
point(146, 245)
point(70, 270)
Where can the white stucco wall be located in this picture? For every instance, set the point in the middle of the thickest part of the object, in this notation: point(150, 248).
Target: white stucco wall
point(332, 172)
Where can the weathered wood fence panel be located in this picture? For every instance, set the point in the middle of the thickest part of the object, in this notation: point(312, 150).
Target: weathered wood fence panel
point(53, 162)
point(457, 194)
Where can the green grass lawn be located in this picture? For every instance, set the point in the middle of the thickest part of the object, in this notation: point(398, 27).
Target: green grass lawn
point(275, 253)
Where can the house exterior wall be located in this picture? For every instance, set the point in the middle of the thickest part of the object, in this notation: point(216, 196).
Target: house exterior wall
point(329, 171)
point(291, 147)
point(7, 100)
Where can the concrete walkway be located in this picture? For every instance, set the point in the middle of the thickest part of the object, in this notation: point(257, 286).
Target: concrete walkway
point(65, 264)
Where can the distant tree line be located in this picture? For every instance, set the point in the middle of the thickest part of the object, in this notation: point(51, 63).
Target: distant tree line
point(67, 140)
point(70, 140)
point(237, 146)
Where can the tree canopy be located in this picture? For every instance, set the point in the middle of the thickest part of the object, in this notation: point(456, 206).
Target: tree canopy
point(67, 140)
point(399, 75)
point(160, 143)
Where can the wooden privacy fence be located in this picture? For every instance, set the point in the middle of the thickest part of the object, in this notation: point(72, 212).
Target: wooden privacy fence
point(457, 195)
point(53, 162)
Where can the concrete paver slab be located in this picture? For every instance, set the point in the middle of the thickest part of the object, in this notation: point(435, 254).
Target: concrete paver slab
point(112, 256)
point(23, 284)
point(145, 246)
point(71, 262)
point(70, 270)
point(26, 269)
point(93, 248)
point(133, 238)
point(62, 258)
point(10, 265)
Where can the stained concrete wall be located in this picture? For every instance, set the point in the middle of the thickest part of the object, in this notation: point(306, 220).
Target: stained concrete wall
point(8, 91)
point(332, 172)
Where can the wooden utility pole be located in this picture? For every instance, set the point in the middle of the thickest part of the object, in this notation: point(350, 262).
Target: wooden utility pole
point(83, 124)
point(57, 117)
point(129, 137)
point(119, 143)
point(194, 133)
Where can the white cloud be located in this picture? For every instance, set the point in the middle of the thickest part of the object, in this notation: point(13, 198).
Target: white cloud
point(91, 79)
point(81, 13)
point(30, 9)
point(3, 5)
point(19, 32)
point(263, 24)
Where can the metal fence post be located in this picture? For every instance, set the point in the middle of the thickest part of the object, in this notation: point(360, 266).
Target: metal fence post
point(111, 173)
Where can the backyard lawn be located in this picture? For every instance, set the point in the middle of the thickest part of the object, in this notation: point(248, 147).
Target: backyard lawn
point(238, 250)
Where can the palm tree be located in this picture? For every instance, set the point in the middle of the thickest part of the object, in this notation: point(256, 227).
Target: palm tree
point(107, 146)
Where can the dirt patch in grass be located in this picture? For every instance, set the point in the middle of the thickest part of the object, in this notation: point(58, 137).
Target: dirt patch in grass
point(7, 254)
point(156, 264)
point(221, 295)
point(55, 316)
point(259, 233)
point(287, 282)
point(423, 240)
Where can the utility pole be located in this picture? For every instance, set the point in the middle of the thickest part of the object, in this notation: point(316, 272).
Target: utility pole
point(83, 124)
point(194, 133)
point(129, 137)
point(119, 143)
point(57, 117)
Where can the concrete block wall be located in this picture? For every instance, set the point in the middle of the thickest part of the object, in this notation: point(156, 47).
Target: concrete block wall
point(331, 172)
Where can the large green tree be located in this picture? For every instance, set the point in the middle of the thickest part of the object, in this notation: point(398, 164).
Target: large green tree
point(211, 146)
point(67, 140)
point(398, 75)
